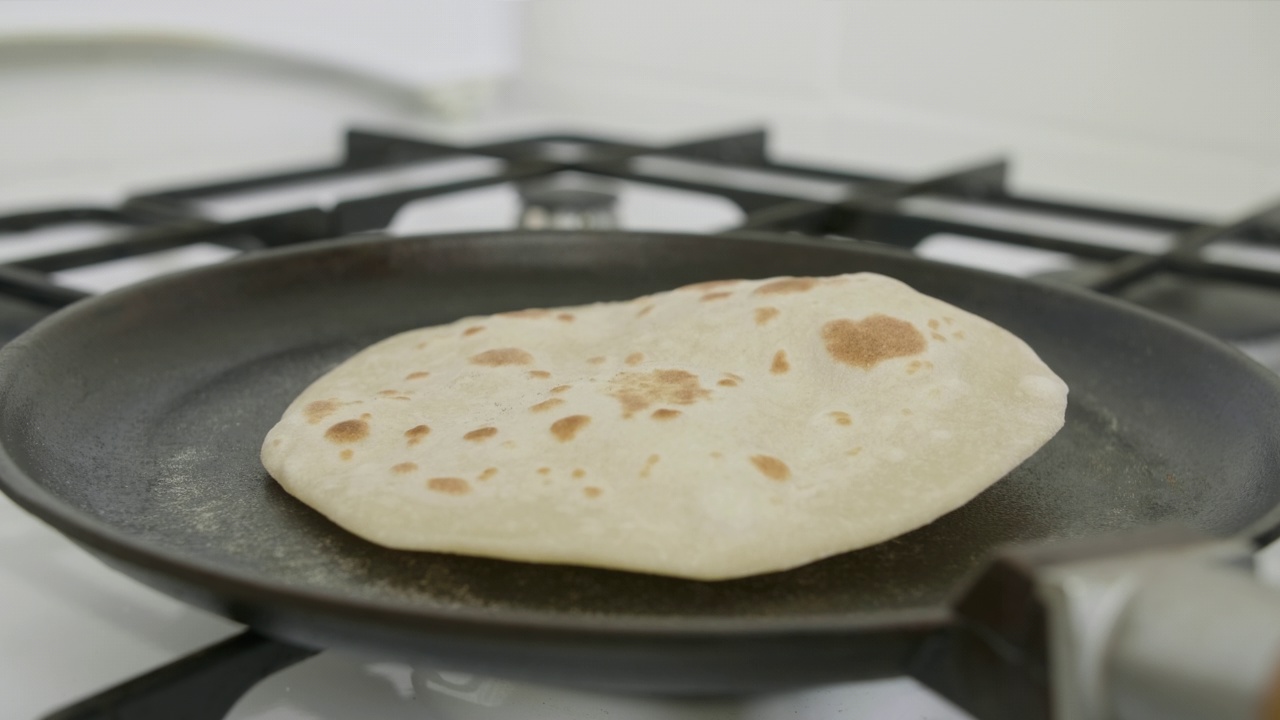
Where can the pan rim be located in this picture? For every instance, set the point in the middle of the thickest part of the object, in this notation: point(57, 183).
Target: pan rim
point(226, 581)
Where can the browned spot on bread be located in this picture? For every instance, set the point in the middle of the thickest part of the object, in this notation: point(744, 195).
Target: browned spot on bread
point(347, 454)
point(596, 360)
point(765, 314)
point(842, 418)
point(488, 473)
point(472, 330)
point(319, 410)
point(530, 314)
point(637, 391)
point(347, 431)
point(644, 311)
point(366, 416)
point(717, 454)
point(933, 324)
point(502, 356)
point(546, 405)
point(275, 443)
point(716, 296)
point(401, 397)
point(771, 467)
point(868, 342)
point(785, 286)
point(481, 434)
point(853, 452)
point(780, 364)
point(544, 470)
point(634, 358)
point(560, 388)
point(648, 465)
point(416, 433)
point(404, 467)
point(710, 285)
point(417, 375)
point(591, 491)
point(567, 427)
point(938, 336)
point(914, 366)
point(449, 485)
point(728, 382)
point(665, 414)
point(421, 345)
point(959, 334)
point(928, 364)
point(565, 317)
point(388, 393)
point(539, 374)
point(579, 473)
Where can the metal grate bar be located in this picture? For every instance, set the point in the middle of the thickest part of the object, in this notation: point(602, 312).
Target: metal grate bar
point(22, 222)
point(776, 196)
point(35, 286)
point(747, 148)
point(982, 181)
point(140, 242)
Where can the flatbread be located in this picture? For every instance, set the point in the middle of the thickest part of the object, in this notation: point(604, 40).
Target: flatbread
point(719, 430)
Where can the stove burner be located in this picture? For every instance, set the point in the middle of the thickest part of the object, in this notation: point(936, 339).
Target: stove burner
point(569, 201)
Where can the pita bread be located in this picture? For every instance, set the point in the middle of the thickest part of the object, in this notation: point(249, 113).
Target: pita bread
point(715, 431)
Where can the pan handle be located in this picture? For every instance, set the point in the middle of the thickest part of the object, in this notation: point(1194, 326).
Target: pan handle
point(1159, 625)
point(201, 686)
point(1173, 633)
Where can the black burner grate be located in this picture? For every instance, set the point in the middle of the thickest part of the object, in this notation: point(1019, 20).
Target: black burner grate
point(774, 196)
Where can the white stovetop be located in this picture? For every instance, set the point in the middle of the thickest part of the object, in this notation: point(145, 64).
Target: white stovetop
point(68, 625)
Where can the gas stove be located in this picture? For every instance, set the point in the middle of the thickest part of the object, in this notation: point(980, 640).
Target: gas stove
point(72, 627)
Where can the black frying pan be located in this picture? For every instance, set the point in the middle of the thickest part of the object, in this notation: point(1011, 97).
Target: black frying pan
point(132, 423)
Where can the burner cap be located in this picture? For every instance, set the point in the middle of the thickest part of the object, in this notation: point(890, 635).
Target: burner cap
point(568, 200)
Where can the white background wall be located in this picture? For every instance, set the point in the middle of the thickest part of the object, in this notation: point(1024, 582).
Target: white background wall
point(98, 99)
point(427, 42)
point(1171, 106)
point(1167, 105)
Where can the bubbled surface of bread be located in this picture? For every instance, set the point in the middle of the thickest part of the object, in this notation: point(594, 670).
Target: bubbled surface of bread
point(722, 429)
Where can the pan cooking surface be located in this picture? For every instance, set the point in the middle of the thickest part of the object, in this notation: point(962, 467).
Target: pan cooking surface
point(145, 410)
point(213, 500)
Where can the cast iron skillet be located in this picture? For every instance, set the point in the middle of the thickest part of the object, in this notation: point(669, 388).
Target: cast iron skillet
point(132, 423)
